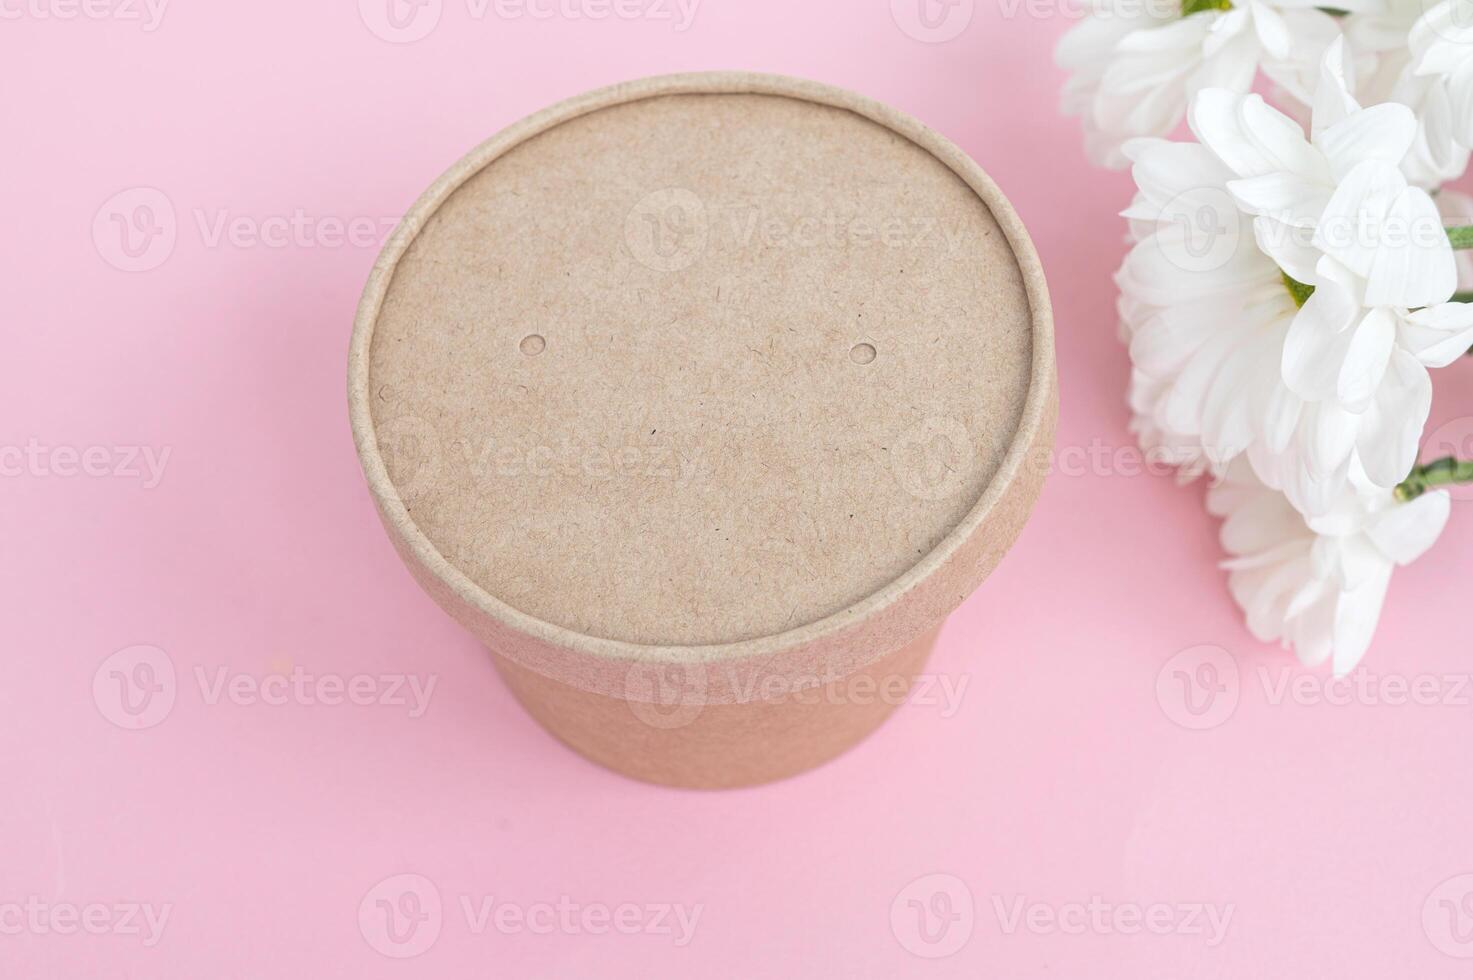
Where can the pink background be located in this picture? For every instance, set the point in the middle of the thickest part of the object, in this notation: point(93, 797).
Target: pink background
point(1336, 832)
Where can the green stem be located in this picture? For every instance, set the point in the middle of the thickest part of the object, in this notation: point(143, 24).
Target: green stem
point(1461, 236)
point(1438, 473)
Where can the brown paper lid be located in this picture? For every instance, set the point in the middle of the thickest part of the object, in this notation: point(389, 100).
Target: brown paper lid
point(703, 367)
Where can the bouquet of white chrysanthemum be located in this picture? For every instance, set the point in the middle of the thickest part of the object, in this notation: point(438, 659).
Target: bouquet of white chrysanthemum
point(1292, 279)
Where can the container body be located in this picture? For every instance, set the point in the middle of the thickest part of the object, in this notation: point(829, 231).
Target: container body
point(702, 401)
point(677, 739)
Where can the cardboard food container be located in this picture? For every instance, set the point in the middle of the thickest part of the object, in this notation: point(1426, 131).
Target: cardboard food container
point(702, 401)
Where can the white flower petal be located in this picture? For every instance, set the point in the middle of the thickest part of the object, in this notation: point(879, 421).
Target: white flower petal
point(1312, 629)
point(1381, 132)
point(1115, 117)
point(1352, 560)
point(1366, 359)
point(1351, 228)
point(1165, 269)
point(1441, 36)
point(1281, 417)
point(1318, 342)
point(1328, 440)
point(1289, 246)
point(1332, 99)
point(1392, 425)
point(1460, 93)
point(1313, 31)
point(1263, 594)
point(1345, 516)
point(1435, 157)
point(1437, 335)
point(1229, 407)
point(1087, 45)
point(1263, 521)
point(1273, 33)
point(1175, 178)
point(1163, 343)
point(1356, 614)
point(1137, 91)
point(1311, 490)
point(1224, 29)
point(1318, 585)
point(1287, 197)
point(1251, 138)
point(1181, 410)
point(1404, 532)
point(1231, 62)
point(1415, 265)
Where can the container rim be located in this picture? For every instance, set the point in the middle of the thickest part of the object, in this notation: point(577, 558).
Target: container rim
point(1035, 419)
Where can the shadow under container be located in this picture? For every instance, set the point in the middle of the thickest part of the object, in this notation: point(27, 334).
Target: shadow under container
point(702, 401)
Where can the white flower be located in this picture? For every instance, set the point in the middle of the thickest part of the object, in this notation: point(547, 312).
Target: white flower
point(1318, 585)
point(1172, 448)
point(1251, 224)
point(1135, 64)
point(1441, 43)
point(1423, 59)
point(1338, 195)
point(1286, 292)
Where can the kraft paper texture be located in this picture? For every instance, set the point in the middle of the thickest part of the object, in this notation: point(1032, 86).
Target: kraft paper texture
point(724, 372)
